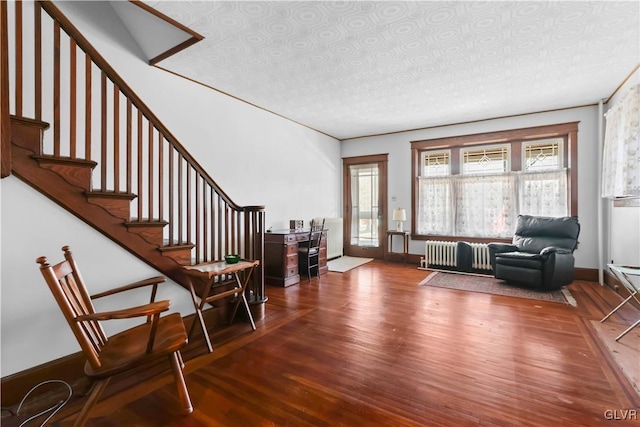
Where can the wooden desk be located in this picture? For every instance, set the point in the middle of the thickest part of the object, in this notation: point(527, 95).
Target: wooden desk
point(281, 256)
point(210, 281)
point(389, 254)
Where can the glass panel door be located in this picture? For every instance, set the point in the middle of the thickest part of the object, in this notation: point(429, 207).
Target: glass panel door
point(365, 190)
point(364, 205)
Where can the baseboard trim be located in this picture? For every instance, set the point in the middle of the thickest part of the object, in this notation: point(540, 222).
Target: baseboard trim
point(588, 274)
point(414, 259)
point(70, 368)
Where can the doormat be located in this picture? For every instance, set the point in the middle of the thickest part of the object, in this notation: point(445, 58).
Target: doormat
point(346, 263)
point(491, 285)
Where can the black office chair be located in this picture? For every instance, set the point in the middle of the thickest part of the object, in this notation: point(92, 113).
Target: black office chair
point(309, 251)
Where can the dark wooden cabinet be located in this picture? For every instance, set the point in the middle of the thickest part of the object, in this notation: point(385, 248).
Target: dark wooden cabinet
point(281, 256)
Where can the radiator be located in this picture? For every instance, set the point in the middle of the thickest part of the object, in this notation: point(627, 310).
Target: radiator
point(481, 259)
point(334, 237)
point(440, 253)
point(445, 254)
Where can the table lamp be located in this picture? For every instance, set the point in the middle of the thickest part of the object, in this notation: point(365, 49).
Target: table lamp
point(399, 215)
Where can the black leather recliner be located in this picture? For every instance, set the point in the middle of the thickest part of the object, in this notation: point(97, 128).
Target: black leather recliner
point(541, 255)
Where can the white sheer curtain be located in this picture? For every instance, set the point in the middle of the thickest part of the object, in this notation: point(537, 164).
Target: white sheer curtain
point(621, 155)
point(543, 193)
point(486, 205)
point(435, 206)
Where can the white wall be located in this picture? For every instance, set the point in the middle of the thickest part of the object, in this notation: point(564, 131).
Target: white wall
point(258, 158)
point(33, 328)
point(399, 148)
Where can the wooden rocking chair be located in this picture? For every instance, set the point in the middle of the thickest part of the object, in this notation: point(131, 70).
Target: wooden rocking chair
point(127, 350)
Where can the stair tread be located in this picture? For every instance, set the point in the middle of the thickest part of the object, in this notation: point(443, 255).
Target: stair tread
point(49, 158)
point(135, 222)
point(75, 200)
point(111, 194)
point(175, 246)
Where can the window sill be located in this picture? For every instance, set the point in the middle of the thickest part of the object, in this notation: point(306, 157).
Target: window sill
point(460, 238)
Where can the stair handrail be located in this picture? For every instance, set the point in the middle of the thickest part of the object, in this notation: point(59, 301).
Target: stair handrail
point(104, 65)
point(228, 227)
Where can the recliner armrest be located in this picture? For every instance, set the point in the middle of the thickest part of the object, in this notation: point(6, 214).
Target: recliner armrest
point(496, 248)
point(554, 249)
point(502, 247)
point(518, 255)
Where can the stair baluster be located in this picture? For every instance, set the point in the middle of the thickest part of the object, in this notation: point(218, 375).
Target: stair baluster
point(158, 201)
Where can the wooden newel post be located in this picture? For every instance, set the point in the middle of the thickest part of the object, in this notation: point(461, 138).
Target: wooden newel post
point(254, 217)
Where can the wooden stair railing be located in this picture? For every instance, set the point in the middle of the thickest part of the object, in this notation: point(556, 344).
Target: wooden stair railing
point(5, 123)
point(113, 152)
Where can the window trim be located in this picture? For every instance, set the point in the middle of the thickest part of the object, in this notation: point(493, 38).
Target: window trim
point(455, 143)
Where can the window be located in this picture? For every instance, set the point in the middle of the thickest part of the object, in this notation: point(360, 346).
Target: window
point(477, 186)
point(543, 183)
point(543, 155)
point(486, 160)
point(436, 163)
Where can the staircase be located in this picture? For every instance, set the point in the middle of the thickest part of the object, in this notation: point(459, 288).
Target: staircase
point(98, 151)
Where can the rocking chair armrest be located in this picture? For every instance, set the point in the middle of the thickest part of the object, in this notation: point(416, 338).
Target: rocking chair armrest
point(139, 284)
point(127, 313)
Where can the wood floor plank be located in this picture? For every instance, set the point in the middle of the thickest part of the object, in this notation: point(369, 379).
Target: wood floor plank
point(370, 347)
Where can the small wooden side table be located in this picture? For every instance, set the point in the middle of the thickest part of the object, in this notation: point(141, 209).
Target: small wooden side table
point(405, 245)
point(207, 283)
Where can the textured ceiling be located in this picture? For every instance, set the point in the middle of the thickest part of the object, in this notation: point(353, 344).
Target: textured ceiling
point(356, 68)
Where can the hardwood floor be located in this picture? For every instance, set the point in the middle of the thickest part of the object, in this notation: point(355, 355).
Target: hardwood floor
point(372, 348)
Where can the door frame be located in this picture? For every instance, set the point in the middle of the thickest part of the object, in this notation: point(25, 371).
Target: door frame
point(382, 161)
